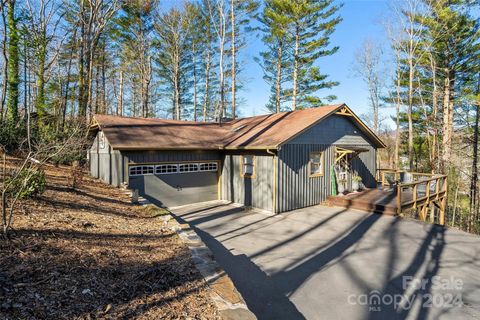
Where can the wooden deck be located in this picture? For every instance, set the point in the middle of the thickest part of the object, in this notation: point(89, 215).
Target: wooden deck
point(383, 201)
point(423, 192)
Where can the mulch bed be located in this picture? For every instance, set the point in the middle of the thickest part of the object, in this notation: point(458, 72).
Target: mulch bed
point(90, 254)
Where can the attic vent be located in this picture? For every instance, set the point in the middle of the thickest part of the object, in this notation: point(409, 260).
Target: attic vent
point(239, 128)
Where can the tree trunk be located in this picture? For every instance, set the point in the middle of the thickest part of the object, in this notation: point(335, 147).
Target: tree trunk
point(176, 83)
point(207, 80)
point(433, 151)
point(5, 66)
point(194, 56)
point(13, 63)
point(295, 68)
point(146, 87)
point(278, 89)
point(90, 67)
point(67, 85)
point(26, 105)
point(120, 96)
point(134, 99)
point(397, 120)
point(409, 113)
point(104, 82)
point(82, 110)
point(97, 90)
point(447, 119)
point(474, 175)
point(222, 72)
point(233, 71)
point(40, 101)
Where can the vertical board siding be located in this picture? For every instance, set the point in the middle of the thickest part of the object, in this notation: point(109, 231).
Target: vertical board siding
point(365, 166)
point(100, 160)
point(94, 164)
point(295, 188)
point(116, 168)
point(333, 130)
point(256, 192)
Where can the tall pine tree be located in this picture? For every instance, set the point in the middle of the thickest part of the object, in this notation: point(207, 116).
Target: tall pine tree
point(276, 60)
point(312, 24)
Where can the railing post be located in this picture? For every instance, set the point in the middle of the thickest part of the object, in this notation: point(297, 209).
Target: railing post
point(399, 198)
point(427, 194)
point(444, 202)
point(414, 196)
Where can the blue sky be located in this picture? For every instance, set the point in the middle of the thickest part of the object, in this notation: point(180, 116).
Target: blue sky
point(361, 20)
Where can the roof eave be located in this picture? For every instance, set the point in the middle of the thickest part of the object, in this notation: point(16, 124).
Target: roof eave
point(121, 148)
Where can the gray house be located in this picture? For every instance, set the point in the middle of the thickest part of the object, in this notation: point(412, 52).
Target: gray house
point(277, 162)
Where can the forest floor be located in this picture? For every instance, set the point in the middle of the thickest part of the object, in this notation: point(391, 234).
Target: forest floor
point(89, 253)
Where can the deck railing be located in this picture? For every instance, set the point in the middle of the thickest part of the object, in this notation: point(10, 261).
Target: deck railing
point(417, 191)
point(389, 177)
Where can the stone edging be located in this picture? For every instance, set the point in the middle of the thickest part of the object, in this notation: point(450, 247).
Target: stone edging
point(228, 300)
point(226, 297)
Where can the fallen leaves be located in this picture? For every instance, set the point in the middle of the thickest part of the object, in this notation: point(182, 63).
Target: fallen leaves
point(90, 254)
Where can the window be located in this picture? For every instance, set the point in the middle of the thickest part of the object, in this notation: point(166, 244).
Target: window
point(316, 164)
point(188, 167)
point(166, 168)
point(170, 168)
point(140, 170)
point(248, 166)
point(210, 166)
point(101, 139)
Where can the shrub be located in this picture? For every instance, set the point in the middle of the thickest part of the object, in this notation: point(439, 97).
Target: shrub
point(69, 157)
point(12, 135)
point(29, 183)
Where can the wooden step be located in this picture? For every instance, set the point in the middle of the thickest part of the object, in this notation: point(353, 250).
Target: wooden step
point(364, 203)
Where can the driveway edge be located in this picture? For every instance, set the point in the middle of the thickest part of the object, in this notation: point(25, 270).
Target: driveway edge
point(226, 297)
point(228, 300)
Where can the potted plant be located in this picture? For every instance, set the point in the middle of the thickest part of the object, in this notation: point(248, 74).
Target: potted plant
point(342, 183)
point(356, 180)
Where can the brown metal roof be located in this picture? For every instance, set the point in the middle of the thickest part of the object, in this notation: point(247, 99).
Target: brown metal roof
point(260, 132)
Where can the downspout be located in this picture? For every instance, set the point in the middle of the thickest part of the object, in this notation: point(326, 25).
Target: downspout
point(274, 193)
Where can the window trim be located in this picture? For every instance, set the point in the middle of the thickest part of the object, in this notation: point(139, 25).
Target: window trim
point(166, 164)
point(208, 164)
point(254, 164)
point(178, 164)
point(140, 174)
point(322, 164)
point(189, 165)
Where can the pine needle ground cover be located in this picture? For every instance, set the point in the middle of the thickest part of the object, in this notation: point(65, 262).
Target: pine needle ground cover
point(90, 254)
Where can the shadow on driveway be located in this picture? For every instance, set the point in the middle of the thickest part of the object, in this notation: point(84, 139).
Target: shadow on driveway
point(306, 263)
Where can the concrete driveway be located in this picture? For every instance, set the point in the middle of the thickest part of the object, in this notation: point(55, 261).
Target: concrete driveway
point(334, 263)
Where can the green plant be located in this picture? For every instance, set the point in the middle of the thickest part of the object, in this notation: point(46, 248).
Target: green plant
point(69, 157)
point(12, 135)
point(29, 183)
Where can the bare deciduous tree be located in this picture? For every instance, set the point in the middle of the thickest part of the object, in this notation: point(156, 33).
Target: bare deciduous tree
point(369, 67)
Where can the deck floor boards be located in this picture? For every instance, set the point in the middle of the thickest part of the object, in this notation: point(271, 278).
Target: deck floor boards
point(382, 201)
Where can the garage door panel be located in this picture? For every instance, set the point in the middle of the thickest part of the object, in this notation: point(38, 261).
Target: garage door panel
point(177, 189)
